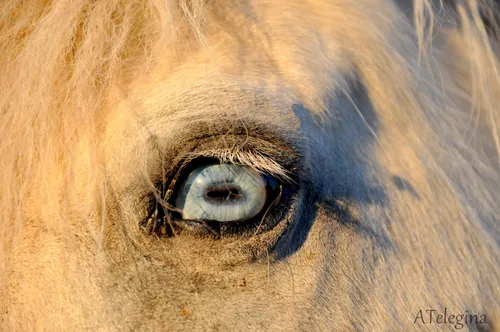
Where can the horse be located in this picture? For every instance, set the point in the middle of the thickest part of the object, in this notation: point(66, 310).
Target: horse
point(324, 165)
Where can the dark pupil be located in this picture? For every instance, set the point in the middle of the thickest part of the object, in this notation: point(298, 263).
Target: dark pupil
point(225, 193)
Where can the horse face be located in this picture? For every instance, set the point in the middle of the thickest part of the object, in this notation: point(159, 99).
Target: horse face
point(283, 170)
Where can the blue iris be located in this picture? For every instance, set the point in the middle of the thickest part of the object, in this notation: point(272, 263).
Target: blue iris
point(222, 192)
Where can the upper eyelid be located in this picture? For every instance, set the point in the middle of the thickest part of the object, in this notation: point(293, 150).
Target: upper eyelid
point(253, 159)
point(268, 149)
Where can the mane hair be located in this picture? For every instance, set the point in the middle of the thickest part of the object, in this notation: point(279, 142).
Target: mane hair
point(59, 62)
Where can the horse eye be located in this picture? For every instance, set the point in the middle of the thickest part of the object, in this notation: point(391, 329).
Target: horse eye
point(224, 193)
point(207, 197)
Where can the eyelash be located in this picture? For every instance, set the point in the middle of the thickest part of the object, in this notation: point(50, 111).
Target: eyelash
point(163, 218)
